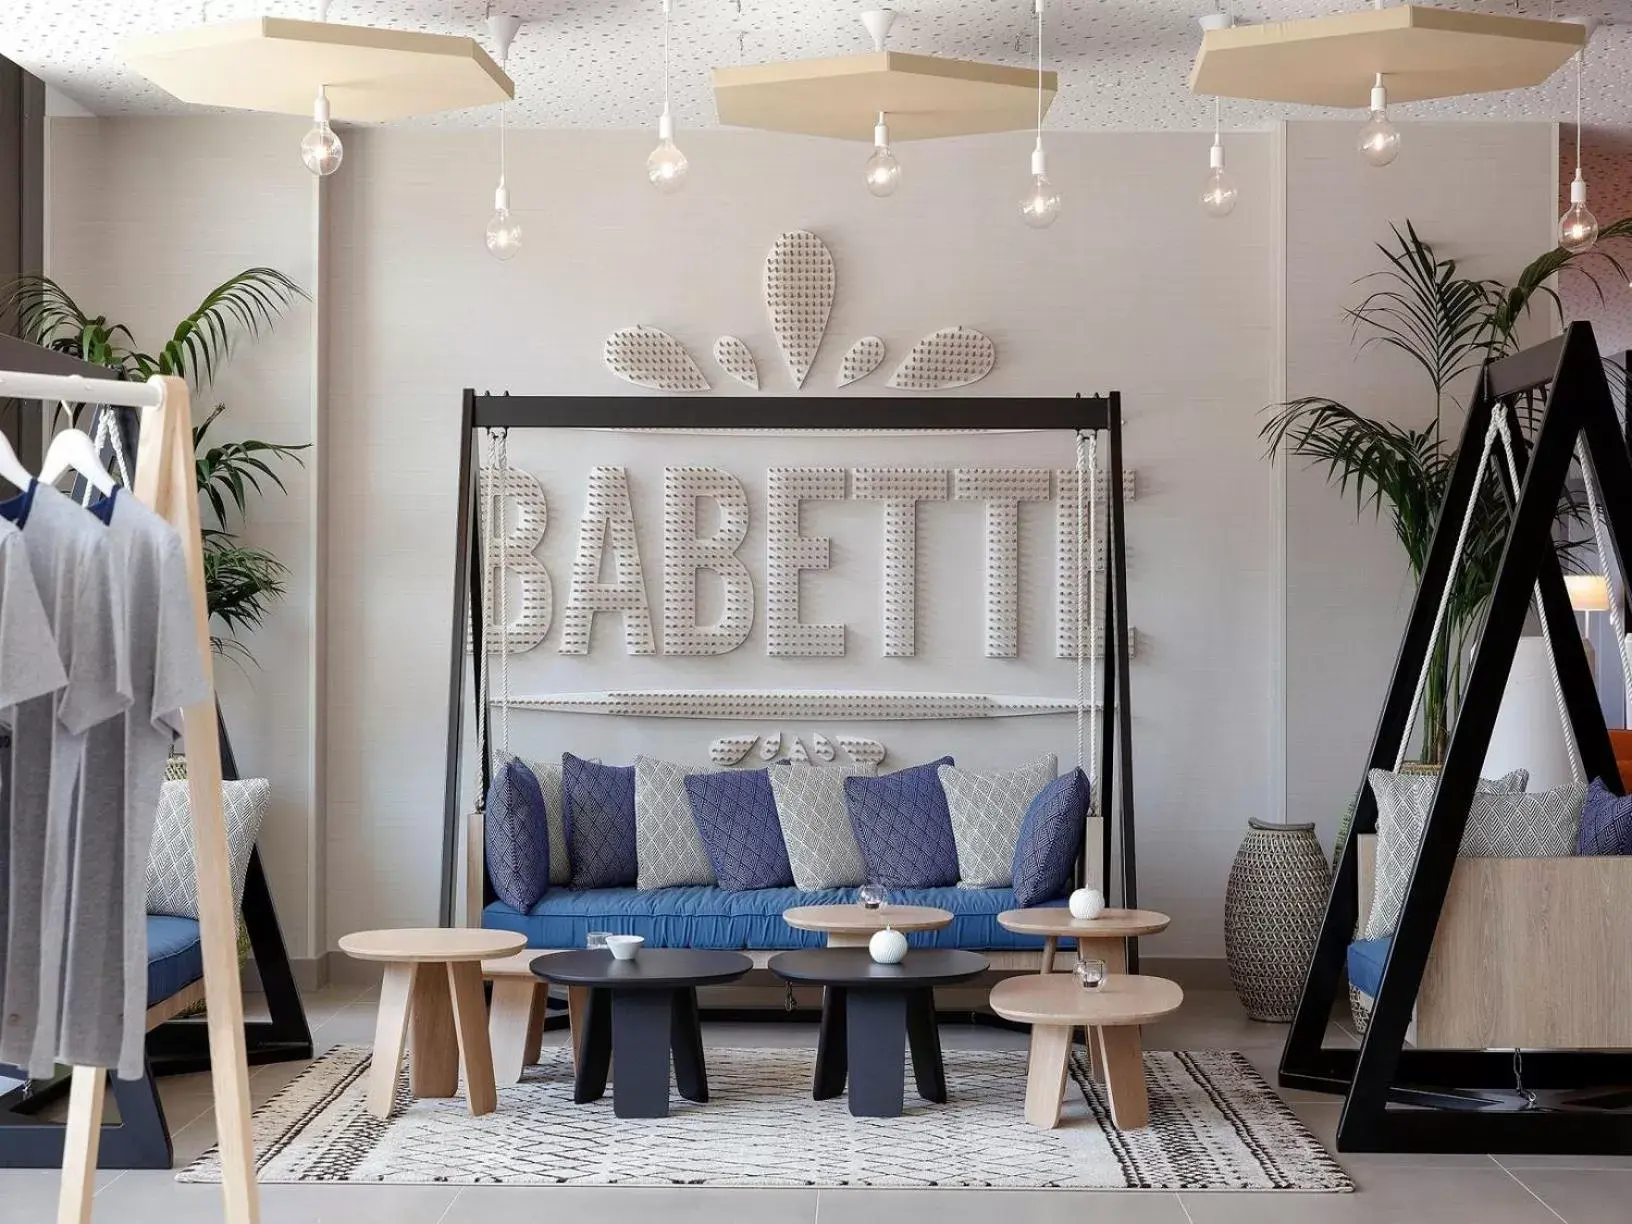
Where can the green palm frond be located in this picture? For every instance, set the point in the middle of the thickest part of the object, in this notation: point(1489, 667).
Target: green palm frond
point(243, 304)
point(1515, 302)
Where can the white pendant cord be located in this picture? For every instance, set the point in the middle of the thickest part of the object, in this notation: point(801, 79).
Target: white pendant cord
point(1617, 616)
point(666, 7)
point(1039, 73)
point(1445, 595)
point(1580, 67)
point(1577, 771)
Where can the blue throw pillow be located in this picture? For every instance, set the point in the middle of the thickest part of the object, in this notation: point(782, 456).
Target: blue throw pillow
point(1606, 823)
point(600, 803)
point(516, 837)
point(1045, 855)
point(735, 811)
point(903, 827)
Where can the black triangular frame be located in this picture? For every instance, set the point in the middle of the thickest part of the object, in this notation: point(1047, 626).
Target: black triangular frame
point(1382, 1072)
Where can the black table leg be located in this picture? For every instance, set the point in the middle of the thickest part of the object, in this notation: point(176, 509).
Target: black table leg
point(595, 1054)
point(925, 1040)
point(877, 1041)
point(686, 1040)
point(831, 1059)
point(642, 1027)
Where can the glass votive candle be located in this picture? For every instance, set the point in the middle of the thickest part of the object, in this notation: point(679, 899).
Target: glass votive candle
point(871, 896)
point(1090, 973)
point(596, 939)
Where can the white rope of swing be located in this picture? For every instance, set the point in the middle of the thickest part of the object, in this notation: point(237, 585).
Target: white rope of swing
point(1087, 609)
point(1617, 617)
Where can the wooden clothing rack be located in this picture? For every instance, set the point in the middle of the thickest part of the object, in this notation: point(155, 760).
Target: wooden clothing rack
point(165, 482)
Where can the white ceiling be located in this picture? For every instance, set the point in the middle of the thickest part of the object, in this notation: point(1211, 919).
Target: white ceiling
point(597, 63)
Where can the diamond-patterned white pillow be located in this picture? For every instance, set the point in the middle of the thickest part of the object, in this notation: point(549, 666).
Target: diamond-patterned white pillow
point(1402, 814)
point(668, 849)
point(987, 810)
point(172, 873)
point(1543, 824)
point(555, 815)
point(815, 824)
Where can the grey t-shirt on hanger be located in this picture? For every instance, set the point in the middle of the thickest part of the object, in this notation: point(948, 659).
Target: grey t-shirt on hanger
point(29, 668)
point(68, 554)
point(104, 1001)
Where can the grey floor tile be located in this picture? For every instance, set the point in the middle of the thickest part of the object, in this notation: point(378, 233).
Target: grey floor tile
point(1007, 1206)
point(1386, 1196)
point(31, 1194)
point(1582, 1196)
point(157, 1198)
point(1519, 1164)
point(631, 1205)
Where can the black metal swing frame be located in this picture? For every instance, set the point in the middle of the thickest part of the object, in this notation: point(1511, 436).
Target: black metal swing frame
point(1101, 414)
point(1391, 1092)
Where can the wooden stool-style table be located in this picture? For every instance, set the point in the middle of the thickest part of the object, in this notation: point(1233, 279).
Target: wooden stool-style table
point(433, 978)
point(852, 925)
point(1104, 938)
point(1054, 1005)
point(519, 1007)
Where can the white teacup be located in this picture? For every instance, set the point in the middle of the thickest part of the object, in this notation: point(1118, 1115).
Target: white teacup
point(624, 947)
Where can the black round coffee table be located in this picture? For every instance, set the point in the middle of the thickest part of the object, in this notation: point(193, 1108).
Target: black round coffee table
point(639, 1011)
point(871, 1014)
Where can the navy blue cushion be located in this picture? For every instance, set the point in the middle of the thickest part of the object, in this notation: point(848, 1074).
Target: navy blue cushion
point(735, 812)
point(1045, 854)
point(1606, 823)
point(903, 827)
point(174, 956)
point(600, 804)
point(707, 917)
point(516, 836)
point(1366, 958)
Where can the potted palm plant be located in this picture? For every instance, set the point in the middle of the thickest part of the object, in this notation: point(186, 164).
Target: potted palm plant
point(242, 582)
point(1448, 324)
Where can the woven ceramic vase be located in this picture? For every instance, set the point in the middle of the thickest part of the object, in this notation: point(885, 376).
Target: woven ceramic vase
point(1272, 913)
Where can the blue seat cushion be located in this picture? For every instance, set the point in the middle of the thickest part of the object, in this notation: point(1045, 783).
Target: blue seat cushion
point(1366, 959)
point(702, 916)
point(174, 957)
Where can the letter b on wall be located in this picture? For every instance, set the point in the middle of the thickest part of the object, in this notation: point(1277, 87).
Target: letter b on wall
point(684, 554)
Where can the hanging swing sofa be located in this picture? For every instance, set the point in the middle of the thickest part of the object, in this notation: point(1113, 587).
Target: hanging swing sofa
point(751, 921)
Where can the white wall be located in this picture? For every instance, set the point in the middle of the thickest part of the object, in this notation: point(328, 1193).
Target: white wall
point(1480, 194)
point(1134, 289)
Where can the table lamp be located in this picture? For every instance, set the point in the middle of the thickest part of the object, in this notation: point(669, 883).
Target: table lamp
point(1589, 593)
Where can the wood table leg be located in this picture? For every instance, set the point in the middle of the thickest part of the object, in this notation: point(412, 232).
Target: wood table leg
point(390, 1033)
point(578, 1020)
point(433, 1060)
point(1125, 1076)
point(832, 1064)
point(1045, 1074)
point(510, 1026)
point(1051, 945)
point(470, 1021)
point(1114, 952)
point(592, 1030)
point(81, 1139)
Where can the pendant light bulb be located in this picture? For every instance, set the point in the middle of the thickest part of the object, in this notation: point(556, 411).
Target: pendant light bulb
point(1041, 205)
point(320, 148)
point(666, 167)
point(1379, 138)
point(503, 230)
point(883, 169)
point(1578, 228)
point(1218, 193)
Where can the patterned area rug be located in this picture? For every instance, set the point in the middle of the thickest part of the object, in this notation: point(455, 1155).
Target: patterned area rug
point(1215, 1125)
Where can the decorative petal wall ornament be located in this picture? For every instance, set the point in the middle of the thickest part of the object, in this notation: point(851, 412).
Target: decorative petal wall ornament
point(864, 357)
point(801, 705)
point(797, 753)
point(799, 283)
point(729, 749)
point(951, 357)
point(652, 358)
point(736, 360)
point(866, 752)
point(821, 748)
point(770, 745)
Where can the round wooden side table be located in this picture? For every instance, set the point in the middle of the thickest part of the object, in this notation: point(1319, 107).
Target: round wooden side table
point(852, 925)
point(1054, 1005)
point(433, 979)
point(1103, 938)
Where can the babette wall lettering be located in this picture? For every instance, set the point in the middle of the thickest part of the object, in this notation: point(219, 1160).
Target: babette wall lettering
point(609, 575)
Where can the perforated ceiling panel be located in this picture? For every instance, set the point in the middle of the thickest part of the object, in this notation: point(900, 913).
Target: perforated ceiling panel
point(597, 63)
